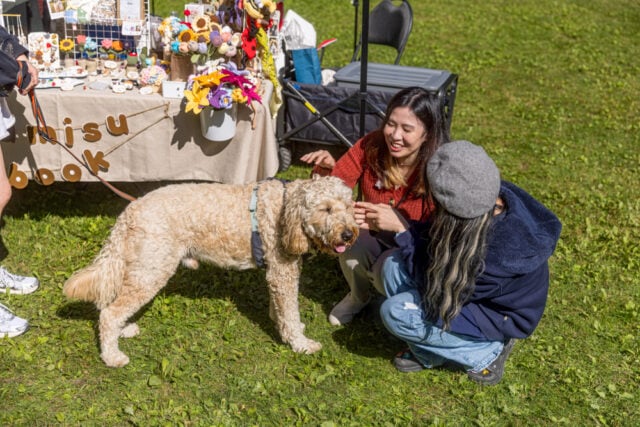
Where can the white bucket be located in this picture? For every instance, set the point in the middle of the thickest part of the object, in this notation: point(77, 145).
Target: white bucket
point(218, 125)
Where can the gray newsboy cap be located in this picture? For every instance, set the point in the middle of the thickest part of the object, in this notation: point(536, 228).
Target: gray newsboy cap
point(463, 179)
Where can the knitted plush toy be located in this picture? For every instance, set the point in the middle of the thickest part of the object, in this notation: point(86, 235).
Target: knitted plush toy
point(255, 41)
point(257, 16)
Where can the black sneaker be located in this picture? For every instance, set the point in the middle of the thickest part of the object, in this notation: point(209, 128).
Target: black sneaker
point(405, 361)
point(492, 374)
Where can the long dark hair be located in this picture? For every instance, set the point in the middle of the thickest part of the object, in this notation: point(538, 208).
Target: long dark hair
point(428, 109)
point(457, 248)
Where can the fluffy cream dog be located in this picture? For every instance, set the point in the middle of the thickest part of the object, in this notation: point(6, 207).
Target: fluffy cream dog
point(213, 223)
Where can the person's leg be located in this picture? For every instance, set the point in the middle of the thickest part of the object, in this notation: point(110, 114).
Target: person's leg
point(11, 325)
point(403, 316)
point(5, 186)
point(390, 274)
point(356, 264)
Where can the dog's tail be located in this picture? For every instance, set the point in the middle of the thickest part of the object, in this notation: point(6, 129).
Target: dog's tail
point(100, 282)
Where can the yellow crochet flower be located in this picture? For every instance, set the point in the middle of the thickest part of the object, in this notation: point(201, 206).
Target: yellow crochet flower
point(66, 45)
point(238, 97)
point(203, 36)
point(209, 80)
point(187, 35)
point(196, 98)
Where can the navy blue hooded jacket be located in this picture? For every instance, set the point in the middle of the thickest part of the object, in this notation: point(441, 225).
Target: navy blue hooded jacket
point(511, 293)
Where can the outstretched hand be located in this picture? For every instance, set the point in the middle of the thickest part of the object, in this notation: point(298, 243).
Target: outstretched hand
point(321, 158)
point(379, 217)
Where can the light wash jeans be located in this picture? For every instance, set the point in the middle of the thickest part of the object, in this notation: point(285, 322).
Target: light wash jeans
point(402, 314)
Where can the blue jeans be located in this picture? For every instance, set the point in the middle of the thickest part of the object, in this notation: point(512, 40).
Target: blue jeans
point(403, 315)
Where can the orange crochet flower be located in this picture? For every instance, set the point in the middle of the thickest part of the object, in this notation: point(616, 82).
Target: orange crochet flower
point(117, 45)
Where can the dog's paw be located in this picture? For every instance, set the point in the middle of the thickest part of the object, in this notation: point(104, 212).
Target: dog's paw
point(116, 359)
point(306, 346)
point(131, 330)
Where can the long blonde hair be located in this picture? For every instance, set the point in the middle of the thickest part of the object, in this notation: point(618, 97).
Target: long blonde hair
point(456, 257)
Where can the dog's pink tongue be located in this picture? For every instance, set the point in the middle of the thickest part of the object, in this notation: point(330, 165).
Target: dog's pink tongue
point(340, 248)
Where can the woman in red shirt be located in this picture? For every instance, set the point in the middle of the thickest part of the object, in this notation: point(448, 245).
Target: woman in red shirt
point(388, 165)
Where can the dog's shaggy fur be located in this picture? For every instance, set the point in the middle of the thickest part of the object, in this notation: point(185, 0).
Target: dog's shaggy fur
point(212, 223)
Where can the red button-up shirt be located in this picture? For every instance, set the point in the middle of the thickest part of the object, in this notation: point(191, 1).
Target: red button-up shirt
point(353, 168)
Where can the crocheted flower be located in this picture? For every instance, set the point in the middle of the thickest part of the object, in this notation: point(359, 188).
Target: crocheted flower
point(193, 46)
point(238, 96)
point(187, 35)
point(247, 88)
point(66, 45)
point(201, 23)
point(203, 37)
point(215, 38)
point(209, 79)
point(106, 44)
point(117, 45)
point(197, 98)
point(81, 39)
point(90, 44)
point(220, 98)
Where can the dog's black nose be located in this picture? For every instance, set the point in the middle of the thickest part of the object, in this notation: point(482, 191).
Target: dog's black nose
point(347, 235)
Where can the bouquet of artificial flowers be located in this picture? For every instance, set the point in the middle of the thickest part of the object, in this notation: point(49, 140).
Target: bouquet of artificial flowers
point(219, 87)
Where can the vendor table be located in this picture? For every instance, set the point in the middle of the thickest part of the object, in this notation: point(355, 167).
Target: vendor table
point(133, 137)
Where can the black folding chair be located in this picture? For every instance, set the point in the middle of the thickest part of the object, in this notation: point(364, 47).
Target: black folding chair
point(389, 25)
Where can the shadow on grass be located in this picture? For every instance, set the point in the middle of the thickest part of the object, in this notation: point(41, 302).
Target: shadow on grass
point(76, 199)
point(79, 310)
point(247, 291)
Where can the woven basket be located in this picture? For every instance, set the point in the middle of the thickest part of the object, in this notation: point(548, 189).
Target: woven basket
point(181, 68)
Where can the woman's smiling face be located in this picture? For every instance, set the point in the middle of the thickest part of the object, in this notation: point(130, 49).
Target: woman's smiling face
point(404, 134)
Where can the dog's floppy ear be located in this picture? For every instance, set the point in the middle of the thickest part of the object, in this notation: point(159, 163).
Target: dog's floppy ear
point(294, 240)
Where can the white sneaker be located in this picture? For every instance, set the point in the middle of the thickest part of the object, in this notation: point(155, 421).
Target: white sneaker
point(344, 311)
point(10, 324)
point(17, 284)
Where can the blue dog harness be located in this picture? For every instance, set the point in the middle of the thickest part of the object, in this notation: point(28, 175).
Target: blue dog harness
point(256, 240)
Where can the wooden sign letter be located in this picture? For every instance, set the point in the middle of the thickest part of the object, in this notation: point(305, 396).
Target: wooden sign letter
point(96, 162)
point(68, 132)
point(71, 172)
point(114, 130)
point(33, 135)
point(91, 132)
point(44, 176)
point(17, 178)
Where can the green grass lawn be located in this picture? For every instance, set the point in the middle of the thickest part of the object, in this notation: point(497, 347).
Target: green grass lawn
point(550, 88)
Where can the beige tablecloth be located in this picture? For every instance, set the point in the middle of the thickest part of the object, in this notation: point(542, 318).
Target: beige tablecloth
point(162, 143)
